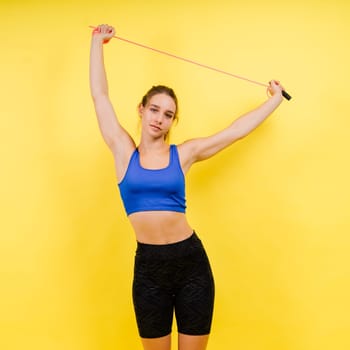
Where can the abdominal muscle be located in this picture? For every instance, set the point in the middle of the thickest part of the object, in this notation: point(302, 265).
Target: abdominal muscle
point(160, 227)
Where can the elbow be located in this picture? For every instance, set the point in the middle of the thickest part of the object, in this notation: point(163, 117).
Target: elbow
point(238, 133)
point(98, 95)
point(109, 138)
point(110, 142)
point(241, 135)
point(97, 91)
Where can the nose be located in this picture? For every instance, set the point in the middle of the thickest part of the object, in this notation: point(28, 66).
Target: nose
point(159, 118)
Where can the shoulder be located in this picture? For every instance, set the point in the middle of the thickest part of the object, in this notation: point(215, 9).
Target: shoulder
point(186, 154)
point(189, 148)
point(182, 148)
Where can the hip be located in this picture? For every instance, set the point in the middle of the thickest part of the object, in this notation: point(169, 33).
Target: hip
point(172, 264)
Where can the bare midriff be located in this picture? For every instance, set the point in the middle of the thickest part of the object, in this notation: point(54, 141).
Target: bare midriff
point(160, 227)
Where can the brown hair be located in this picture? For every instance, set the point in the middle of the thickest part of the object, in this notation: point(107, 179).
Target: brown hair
point(160, 89)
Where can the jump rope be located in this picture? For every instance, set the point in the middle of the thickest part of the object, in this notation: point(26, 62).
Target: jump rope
point(284, 93)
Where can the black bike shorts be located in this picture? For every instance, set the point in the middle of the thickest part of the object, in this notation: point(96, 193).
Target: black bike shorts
point(172, 277)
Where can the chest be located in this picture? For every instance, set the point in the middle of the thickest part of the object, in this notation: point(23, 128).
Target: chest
point(155, 161)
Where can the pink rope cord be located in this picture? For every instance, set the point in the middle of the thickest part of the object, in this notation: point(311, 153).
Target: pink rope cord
point(284, 92)
point(187, 60)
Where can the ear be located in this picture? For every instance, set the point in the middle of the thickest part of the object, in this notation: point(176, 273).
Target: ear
point(140, 109)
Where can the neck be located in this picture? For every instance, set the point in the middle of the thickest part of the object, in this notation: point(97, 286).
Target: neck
point(153, 145)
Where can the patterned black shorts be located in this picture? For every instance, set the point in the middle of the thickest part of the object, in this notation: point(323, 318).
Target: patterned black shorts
point(172, 277)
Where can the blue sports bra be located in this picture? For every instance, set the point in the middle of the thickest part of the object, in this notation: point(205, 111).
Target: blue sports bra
point(153, 189)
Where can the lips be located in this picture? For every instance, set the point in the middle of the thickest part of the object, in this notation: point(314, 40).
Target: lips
point(155, 127)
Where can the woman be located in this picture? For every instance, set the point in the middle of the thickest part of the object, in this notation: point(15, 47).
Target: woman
point(172, 271)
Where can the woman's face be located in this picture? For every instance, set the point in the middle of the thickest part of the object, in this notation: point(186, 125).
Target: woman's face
point(158, 115)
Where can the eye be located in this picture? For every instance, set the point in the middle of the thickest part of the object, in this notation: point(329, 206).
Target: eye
point(169, 115)
point(153, 109)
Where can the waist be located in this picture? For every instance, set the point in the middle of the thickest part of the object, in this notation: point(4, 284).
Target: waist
point(160, 227)
point(190, 246)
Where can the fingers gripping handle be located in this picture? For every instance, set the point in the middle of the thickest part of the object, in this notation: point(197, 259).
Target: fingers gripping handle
point(97, 31)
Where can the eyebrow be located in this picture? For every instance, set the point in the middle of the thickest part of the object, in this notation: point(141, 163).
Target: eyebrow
point(168, 111)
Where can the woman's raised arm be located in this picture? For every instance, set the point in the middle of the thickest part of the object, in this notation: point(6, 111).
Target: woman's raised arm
point(114, 135)
point(205, 147)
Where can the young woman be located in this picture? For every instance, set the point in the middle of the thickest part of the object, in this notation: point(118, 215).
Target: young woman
point(172, 271)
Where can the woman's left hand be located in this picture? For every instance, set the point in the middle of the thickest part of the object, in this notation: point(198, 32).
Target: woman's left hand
point(274, 88)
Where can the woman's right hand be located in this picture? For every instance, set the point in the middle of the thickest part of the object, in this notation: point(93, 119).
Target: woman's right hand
point(104, 32)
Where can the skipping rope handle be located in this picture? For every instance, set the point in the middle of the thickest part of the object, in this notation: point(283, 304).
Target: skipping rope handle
point(286, 95)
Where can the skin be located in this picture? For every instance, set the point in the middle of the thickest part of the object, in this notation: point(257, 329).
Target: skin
point(157, 118)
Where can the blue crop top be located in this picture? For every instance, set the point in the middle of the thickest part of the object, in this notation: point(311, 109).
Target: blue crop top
point(153, 189)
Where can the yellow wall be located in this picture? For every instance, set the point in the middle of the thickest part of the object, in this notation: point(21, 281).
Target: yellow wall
point(273, 210)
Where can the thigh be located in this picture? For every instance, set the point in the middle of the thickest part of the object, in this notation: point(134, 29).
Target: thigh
point(153, 304)
point(194, 303)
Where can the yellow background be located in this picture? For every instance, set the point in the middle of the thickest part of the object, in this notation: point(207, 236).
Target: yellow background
point(272, 210)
